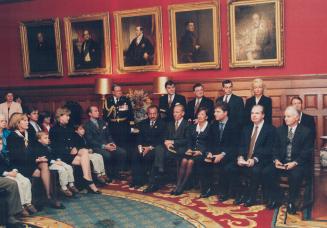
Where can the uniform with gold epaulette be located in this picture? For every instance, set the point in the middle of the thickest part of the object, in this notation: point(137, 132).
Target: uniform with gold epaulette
point(119, 115)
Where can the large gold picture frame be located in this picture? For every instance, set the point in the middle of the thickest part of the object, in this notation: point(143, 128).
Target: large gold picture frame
point(195, 35)
point(256, 33)
point(41, 48)
point(88, 44)
point(143, 53)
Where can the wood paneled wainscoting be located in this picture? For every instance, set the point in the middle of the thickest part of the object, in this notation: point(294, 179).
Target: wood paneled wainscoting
point(311, 88)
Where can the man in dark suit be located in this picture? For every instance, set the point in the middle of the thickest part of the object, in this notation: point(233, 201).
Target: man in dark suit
point(292, 152)
point(224, 135)
point(140, 51)
point(119, 115)
point(33, 126)
point(305, 119)
point(174, 145)
point(255, 152)
point(98, 137)
point(89, 52)
point(150, 135)
point(235, 103)
point(199, 101)
point(169, 100)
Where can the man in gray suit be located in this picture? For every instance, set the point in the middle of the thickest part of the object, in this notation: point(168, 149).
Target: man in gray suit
point(98, 137)
point(175, 145)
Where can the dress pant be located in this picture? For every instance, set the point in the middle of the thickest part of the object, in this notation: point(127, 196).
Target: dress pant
point(13, 198)
point(98, 164)
point(24, 188)
point(114, 161)
point(295, 178)
point(65, 172)
point(141, 165)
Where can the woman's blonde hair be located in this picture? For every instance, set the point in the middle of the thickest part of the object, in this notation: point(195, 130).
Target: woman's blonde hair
point(62, 111)
point(258, 81)
point(15, 120)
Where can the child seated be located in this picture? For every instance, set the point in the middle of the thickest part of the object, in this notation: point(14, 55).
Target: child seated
point(42, 152)
point(24, 184)
point(96, 159)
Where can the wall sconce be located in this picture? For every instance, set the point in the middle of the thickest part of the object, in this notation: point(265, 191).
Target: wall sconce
point(159, 85)
point(103, 88)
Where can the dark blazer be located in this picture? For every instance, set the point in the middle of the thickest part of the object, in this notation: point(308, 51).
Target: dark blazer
point(62, 142)
point(179, 136)
point(40, 150)
point(309, 122)
point(302, 146)
point(236, 109)
point(265, 102)
point(20, 156)
point(96, 137)
point(4, 166)
point(151, 136)
point(263, 148)
point(197, 141)
point(164, 107)
point(205, 102)
point(32, 134)
point(229, 140)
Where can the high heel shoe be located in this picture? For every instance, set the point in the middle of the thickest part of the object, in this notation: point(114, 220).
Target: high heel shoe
point(88, 183)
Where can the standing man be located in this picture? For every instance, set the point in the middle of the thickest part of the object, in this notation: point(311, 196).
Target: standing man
point(174, 145)
point(89, 52)
point(199, 101)
point(140, 51)
point(305, 119)
point(150, 136)
point(235, 103)
point(119, 115)
point(98, 137)
point(222, 153)
point(293, 149)
point(255, 152)
point(9, 107)
point(168, 101)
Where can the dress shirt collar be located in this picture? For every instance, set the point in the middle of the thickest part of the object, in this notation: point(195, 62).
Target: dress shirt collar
point(227, 96)
point(293, 128)
point(179, 121)
point(300, 119)
point(199, 130)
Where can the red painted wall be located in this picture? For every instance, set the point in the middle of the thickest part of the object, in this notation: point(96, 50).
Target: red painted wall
point(305, 40)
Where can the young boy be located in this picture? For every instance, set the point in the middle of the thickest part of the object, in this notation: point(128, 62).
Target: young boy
point(96, 159)
point(66, 176)
point(24, 184)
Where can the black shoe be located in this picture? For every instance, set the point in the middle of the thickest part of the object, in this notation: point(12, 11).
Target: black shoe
point(223, 198)
point(291, 209)
point(55, 204)
point(151, 188)
point(250, 202)
point(239, 200)
point(206, 194)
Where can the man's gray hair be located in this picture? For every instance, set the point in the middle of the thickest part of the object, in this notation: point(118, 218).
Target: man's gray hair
point(292, 110)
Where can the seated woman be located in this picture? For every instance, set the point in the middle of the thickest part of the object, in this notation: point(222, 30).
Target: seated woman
point(21, 159)
point(65, 147)
point(45, 121)
point(198, 136)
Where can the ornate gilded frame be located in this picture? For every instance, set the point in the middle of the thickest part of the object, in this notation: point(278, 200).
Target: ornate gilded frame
point(242, 53)
point(215, 50)
point(105, 44)
point(26, 49)
point(155, 12)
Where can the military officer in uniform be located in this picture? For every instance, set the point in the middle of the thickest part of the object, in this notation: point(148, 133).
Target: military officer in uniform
point(118, 113)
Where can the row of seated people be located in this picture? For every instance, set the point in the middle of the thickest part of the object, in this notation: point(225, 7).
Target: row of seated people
point(256, 152)
point(26, 152)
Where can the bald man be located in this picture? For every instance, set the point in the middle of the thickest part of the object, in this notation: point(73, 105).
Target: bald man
point(291, 156)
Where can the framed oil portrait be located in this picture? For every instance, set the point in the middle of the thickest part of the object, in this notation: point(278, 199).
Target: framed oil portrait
point(195, 35)
point(139, 40)
point(256, 33)
point(88, 44)
point(41, 48)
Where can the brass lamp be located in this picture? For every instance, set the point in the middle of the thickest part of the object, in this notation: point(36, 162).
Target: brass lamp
point(159, 85)
point(103, 88)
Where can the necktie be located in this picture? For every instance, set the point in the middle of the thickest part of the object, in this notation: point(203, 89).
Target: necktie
point(96, 123)
point(221, 130)
point(196, 107)
point(151, 123)
point(38, 128)
point(252, 143)
point(290, 137)
point(176, 125)
point(170, 100)
point(226, 99)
